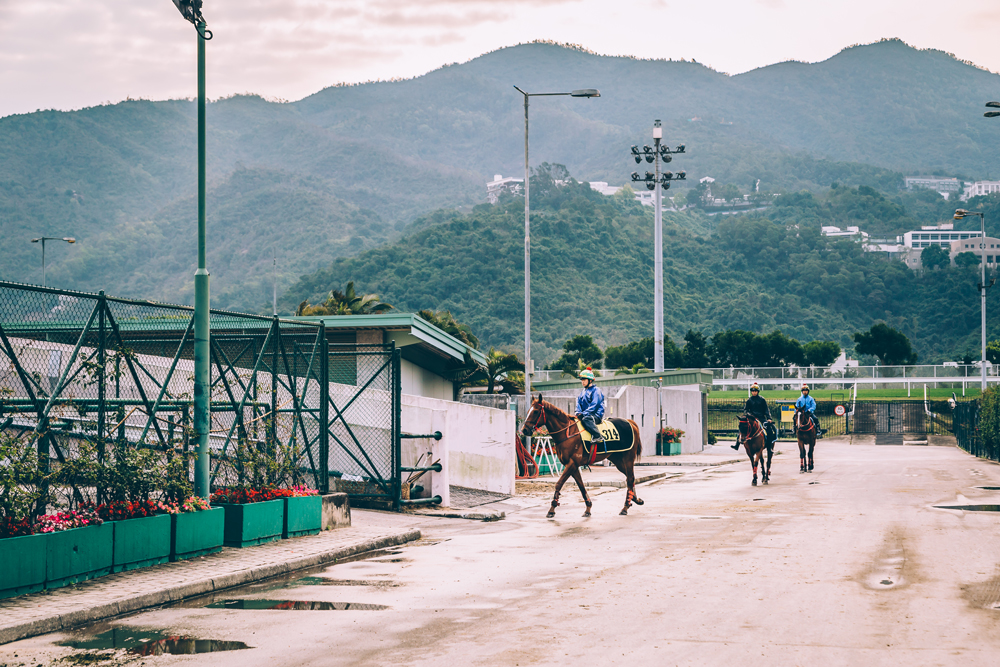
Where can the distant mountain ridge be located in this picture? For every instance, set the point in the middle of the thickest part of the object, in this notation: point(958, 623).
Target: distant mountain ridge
point(366, 160)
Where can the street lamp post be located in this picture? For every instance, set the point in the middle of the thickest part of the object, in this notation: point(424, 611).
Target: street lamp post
point(191, 11)
point(983, 285)
point(529, 366)
point(657, 182)
point(43, 239)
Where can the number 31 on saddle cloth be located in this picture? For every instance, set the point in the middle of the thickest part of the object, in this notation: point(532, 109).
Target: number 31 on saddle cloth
point(617, 434)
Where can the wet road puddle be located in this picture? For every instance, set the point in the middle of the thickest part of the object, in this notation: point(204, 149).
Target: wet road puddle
point(139, 641)
point(294, 605)
point(970, 508)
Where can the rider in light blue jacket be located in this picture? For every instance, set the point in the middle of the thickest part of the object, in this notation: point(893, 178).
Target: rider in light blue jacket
point(807, 404)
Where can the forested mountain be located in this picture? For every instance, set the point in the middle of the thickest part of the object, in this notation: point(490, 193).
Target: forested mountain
point(351, 166)
point(592, 274)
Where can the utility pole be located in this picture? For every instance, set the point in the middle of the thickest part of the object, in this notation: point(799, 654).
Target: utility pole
point(657, 182)
point(983, 285)
point(191, 11)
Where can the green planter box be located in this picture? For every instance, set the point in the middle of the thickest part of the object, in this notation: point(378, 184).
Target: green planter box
point(23, 569)
point(79, 554)
point(195, 534)
point(253, 523)
point(303, 516)
point(671, 448)
point(141, 542)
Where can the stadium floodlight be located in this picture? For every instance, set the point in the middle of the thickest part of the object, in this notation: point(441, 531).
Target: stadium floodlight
point(658, 153)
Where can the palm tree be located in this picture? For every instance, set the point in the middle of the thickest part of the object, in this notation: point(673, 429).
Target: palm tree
point(500, 369)
point(345, 303)
point(633, 370)
point(444, 320)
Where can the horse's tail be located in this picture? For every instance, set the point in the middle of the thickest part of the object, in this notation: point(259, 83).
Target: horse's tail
point(635, 441)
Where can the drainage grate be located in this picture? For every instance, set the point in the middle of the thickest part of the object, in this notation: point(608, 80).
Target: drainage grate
point(888, 438)
point(464, 498)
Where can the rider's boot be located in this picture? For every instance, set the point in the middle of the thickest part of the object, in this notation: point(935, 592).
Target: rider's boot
point(737, 444)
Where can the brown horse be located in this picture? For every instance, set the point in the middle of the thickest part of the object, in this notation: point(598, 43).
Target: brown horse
point(805, 431)
point(754, 441)
point(568, 445)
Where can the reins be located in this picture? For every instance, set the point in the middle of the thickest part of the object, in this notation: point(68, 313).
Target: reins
point(536, 426)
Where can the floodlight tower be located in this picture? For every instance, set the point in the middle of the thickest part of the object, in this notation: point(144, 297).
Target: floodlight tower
point(657, 182)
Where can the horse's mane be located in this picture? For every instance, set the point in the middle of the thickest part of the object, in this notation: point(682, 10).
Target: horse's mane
point(554, 409)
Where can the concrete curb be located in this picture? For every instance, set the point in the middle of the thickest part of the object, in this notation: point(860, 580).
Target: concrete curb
point(193, 589)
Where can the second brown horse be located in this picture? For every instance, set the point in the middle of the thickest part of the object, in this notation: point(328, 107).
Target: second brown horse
point(568, 445)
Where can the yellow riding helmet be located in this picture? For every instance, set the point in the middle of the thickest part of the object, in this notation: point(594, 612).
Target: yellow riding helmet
point(805, 387)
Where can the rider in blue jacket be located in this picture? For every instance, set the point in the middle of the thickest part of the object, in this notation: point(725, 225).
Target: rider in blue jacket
point(807, 404)
point(590, 406)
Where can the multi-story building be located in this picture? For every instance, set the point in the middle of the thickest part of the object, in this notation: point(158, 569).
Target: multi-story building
point(499, 184)
point(937, 183)
point(943, 235)
point(991, 249)
point(980, 188)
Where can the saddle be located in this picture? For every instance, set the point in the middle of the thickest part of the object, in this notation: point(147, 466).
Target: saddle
point(617, 436)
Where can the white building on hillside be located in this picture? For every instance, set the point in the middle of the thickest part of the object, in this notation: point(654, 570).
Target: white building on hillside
point(980, 188)
point(499, 184)
point(604, 188)
point(847, 232)
point(942, 235)
point(938, 183)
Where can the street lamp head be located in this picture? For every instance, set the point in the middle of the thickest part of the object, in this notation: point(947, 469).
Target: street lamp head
point(69, 239)
point(992, 114)
point(681, 175)
point(35, 240)
point(190, 10)
point(635, 150)
point(583, 92)
point(680, 149)
point(961, 213)
point(994, 105)
point(635, 176)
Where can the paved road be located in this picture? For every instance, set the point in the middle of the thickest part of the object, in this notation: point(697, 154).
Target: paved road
point(851, 565)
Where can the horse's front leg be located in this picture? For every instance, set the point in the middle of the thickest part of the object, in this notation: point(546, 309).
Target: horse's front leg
point(567, 471)
point(583, 490)
point(802, 456)
point(812, 446)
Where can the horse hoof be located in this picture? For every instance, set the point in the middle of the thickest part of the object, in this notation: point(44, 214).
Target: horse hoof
point(550, 515)
point(586, 515)
point(640, 501)
point(623, 513)
point(753, 483)
point(765, 482)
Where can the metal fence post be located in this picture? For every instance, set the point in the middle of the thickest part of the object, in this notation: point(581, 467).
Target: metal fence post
point(397, 420)
point(324, 412)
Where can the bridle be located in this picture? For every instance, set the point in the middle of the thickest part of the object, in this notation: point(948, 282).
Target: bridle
point(801, 427)
point(759, 428)
point(541, 421)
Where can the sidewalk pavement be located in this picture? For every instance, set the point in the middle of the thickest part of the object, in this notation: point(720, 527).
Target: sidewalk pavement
point(126, 592)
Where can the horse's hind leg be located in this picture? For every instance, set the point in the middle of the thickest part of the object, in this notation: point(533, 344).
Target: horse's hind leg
point(812, 446)
point(630, 494)
point(583, 490)
point(567, 471)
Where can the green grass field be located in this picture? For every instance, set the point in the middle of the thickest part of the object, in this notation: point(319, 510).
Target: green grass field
point(846, 395)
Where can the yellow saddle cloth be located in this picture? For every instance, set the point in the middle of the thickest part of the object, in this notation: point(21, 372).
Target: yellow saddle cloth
point(608, 431)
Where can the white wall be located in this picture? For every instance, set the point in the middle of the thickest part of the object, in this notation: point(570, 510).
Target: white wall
point(417, 381)
point(681, 409)
point(476, 450)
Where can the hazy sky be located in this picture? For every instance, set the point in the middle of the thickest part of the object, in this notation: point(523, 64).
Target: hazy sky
point(68, 54)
